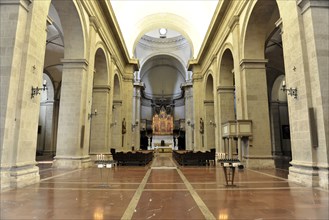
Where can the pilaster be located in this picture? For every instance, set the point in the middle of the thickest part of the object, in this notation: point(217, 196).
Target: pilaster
point(71, 150)
point(225, 97)
point(189, 129)
point(256, 109)
point(99, 123)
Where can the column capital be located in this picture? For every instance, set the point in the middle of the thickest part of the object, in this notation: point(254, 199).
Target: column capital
point(75, 63)
point(208, 102)
point(139, 85)
point(225, 89)
point(24, 3)
point(117, 102)
point(102, 88)
point(253, 63)
point(304, 5)
point(186, 85)
point(197, 77)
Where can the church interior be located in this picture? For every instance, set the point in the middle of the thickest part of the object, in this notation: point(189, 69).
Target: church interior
point(164, 109)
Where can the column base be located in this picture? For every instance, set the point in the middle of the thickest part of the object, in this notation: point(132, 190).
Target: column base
point(324, 177)
point(19, 176)
point(257, 162)
point(304, 173)
point(70, 162)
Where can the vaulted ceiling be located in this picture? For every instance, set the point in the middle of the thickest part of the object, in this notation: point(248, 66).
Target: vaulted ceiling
point(189, 18)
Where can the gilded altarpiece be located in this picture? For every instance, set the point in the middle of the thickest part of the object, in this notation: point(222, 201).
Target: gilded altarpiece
point(162, 123)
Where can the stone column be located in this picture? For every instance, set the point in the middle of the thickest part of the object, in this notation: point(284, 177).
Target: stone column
point(23, 36)
point(116, 126)
point(275, 129)
point(226, 109)
point(71, 150)
point(138, 86)
point(209, 134)
point(99, 132)
point(306, 66)
point(189, 127)
point(45, 141)
point(255, 96)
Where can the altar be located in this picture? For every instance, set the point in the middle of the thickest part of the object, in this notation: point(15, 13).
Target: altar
point(162, 141)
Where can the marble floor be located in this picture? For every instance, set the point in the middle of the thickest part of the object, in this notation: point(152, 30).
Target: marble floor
point(163, 190)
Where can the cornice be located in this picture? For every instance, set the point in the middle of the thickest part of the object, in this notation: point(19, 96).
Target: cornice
point(75, 63)
point(253, 63)
point(304, 5)
point(102, 88)
point(24, 3)
point(225, 89)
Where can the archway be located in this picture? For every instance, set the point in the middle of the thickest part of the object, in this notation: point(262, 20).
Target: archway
point(45, 145)
point(99, 128)
point(260, 24)
point(226, 94)
point(278, 105)
point(118, 124)
point(208, 135)
point(49, 102)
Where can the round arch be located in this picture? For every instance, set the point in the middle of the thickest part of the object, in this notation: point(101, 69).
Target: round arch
point(258, 25)
point(73, 28)
point(209, 86)
point(166, 20)
point(116, 87)
point(226, 68)
point(277, 94)
point(101, 67)
point(154, 56)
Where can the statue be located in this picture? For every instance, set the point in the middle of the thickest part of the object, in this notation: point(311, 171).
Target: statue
point(124, 126)
point(201, 126)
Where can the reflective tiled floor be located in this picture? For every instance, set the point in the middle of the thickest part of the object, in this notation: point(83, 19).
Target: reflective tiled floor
point(163, 191)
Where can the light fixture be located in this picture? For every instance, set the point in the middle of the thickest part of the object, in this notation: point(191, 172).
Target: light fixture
point(90, 115)
point(189, 123)
point(163, 32)
point(212, 123)
point(36, 90)
point(291, 91)
point(134, 125)
point(113, 124)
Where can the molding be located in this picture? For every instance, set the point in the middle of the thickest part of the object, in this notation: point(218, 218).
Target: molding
point(186, 85)
point(253, 63)
point(94, 22)
point(233, 22)
point(304, 5)
point(74, 63)
point(208, 102)
point(102, 88)
point(197, 77)
point(24, 3)
point(117, 102)
point(139, 85)
point(225, 89)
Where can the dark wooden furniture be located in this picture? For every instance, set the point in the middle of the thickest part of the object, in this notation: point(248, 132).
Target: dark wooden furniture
point(133, 157)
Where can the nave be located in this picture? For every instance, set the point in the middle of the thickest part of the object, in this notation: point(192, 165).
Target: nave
point(163, 190)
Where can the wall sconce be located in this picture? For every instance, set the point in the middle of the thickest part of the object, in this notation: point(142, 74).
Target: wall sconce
point(291, 91)
point(35, 90)
point(134, 125)
point(189, 123)
point(92, 114)
point(113, 124)
point(212, 123)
